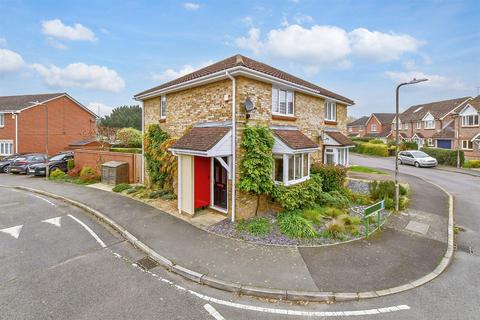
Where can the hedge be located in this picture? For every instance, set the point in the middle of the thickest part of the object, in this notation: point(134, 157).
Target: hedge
point(126, 150)
point(333, 177)
point(445, 156)
point(472, 164)
point(371, 149)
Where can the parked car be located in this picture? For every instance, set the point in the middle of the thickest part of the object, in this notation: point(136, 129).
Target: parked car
point(416, 158)
point(58, 161)
point(21, 163)
point(5, 163)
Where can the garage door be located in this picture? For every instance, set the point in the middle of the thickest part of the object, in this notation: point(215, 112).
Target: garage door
point(444, 144)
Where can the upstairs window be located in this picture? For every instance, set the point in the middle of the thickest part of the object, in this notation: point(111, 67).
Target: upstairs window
point(373, 128)
point(429, 124)
point(470, 120)
point(163, 107)
point(2, 120)
point(330, 111)
point(419, 125)
point(405, 126)
point(282, 102)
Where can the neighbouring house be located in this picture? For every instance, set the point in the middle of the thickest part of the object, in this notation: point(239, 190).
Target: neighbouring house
point(379, 125)
point(468, 124)
point(207, 110)
point(356, 128)
point(90, 144)
point(429, 124)
point(33, 123)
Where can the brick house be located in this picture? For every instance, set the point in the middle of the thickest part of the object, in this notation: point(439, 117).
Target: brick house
point(356, 128)
point(23, 127)
point(428, 124)
point(309, 124)
point(379, 125)
point(468, 124)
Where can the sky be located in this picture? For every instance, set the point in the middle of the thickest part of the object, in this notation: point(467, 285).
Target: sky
point(104, 52)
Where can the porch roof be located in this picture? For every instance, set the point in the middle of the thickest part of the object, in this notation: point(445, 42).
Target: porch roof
point(201, 139)
point(339, 138)
point(295, 139)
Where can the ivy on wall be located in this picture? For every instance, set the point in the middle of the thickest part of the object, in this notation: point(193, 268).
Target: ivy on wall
point(256, 166)
point(161, 164)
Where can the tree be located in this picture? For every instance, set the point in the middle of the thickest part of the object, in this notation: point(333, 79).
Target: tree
point(130, 137)
point(124, 117)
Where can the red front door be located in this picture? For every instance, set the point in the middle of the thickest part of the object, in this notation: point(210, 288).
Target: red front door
point(202, 182)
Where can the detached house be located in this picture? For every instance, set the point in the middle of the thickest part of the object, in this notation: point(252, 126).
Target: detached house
point(31, 123)
point(309, 124)
point(356, 128)
point(378, 125)
point(468, 125)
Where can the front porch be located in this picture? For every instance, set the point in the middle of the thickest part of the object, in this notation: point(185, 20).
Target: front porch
point(336, 148)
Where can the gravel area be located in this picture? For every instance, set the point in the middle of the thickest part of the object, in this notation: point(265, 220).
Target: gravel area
point(275, 237)
point(358, 186)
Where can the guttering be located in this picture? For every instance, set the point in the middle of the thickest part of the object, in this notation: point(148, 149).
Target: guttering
point(235, 71)
point(234, 135)
point(143, 144)
point(16, 114)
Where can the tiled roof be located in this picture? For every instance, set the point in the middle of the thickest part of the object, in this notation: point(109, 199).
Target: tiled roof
point(447, 132)
point(242, 61)
point(475, 102)
point(295, 139)
point(359, 122)
point(201, 138)
point(419, 134)
point(16, 103)
point(437, 109)
point(384, 118)
point(340, 138)
point(386, 128)
point(83, 142)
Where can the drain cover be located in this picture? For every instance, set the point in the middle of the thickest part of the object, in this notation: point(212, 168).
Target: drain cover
point(147, 263)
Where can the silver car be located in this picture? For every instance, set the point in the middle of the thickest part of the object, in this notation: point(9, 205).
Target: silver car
point(416, 158)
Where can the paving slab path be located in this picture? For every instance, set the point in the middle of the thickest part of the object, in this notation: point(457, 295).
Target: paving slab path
point(390, 258)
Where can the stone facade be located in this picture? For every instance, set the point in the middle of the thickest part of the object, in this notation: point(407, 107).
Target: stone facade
point(207, 103)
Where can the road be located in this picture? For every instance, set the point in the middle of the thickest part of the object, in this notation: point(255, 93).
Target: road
point(57, 262)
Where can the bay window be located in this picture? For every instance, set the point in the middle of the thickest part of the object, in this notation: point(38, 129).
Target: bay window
point(330, 111)
point(282, 102)
point(291, 168)
point(470, 120)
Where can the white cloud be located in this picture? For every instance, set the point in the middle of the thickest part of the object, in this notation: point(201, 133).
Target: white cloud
point(303, 18)
point(104, 31)
point(379, 46)
point(56, 44)
point(10, 61)
point(3, 42)
point(434, 80)
point(248, 21)
point(192, 6)
point(100, 109)
point(320, 45)
point(81, 75)
point(56, 29)
point(170, 74)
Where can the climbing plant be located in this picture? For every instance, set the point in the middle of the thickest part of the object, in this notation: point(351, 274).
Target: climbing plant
point(161, 164)
point(257, 163)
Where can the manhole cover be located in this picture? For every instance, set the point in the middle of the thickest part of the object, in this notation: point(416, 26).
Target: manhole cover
point(147, 263)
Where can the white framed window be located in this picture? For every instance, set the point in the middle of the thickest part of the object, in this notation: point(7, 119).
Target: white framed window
point(163, 107)
point(405, 126)
point(291, 169)
point(282, 102)
point(6, 147)
point(350, 129)
point(430, 142)
point(429, 124)
point(467, 145)
point(419, 124)
point(373, 128)
point(337, 156)
point(470, 120)
point(330, 111)
point(2, 120)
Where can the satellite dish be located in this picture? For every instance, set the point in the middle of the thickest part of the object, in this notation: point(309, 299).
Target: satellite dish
point(248, 105)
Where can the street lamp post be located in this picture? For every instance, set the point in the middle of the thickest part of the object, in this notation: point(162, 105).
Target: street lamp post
point(397, 120)
point(456, 115)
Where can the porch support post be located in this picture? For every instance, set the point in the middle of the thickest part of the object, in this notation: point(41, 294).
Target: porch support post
point(179, 171)
point(224, 164)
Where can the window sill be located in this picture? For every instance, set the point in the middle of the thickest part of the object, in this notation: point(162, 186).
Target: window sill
point(474, 126)
point(283, 117)
point(162, 120)
point(334, 122)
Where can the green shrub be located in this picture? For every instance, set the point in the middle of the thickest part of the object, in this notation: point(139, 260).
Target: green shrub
point(57, 174)
point(257, 226)
point(129, 138)
point(360, 199)
point(314, 215)
point(126, 150)
point(353, 230)
point(70, 164)
point(292, 224)
point(88, 174)
point(445, 156)
point(333, 199)
point(121, 187)
point(333, 177)
point(350, 220)
point(373, 149)
point(331, 212)
point(472, 164)
point(361, 139)
point(298, 196)
point(135, 189)
point(168, 196)
point(385, 190)
point(335, 228)
point(376, 141)
point(157, 194)
point(408, 145)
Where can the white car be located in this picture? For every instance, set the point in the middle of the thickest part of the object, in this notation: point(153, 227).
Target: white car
point(416, 158)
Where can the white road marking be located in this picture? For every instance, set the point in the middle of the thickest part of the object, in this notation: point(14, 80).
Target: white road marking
point(46, 200)
point(13, 231)
point(214, 313)
point(89, 231)
point(10, 204)
point(54, 221)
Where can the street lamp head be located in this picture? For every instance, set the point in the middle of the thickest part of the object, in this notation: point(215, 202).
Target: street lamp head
point(417, 80)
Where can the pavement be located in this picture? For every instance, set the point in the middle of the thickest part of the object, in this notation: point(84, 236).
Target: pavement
point(392, 258)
